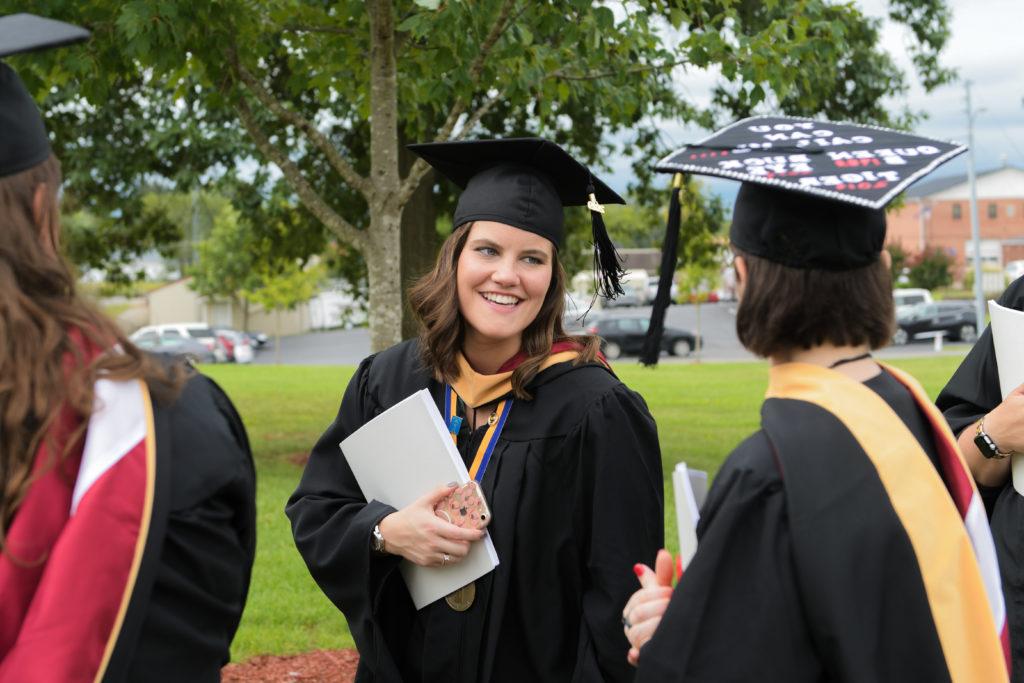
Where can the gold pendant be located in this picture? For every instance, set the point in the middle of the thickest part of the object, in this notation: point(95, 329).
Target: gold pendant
point(462, 599)
point(493, 417)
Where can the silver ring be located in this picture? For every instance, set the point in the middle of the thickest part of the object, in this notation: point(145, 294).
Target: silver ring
point(626, 624)
point(445, 559)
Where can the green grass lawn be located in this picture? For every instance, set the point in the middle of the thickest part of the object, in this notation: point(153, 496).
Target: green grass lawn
point(703, 411)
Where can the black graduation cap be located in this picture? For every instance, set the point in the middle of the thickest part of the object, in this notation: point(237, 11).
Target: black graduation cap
point(525, 182)
point(812, 196)
point(23, 139)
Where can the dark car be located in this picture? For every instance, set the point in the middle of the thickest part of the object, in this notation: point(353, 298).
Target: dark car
point(626, 336)
point(193, 350)
point(955, 318)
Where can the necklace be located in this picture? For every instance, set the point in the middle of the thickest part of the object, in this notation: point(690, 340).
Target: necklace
point(852, 359)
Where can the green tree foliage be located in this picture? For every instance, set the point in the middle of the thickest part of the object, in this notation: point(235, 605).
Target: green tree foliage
point(284, 289)
point(898, 256)
point(930, 269)
point(228, 261)
point(327, 92)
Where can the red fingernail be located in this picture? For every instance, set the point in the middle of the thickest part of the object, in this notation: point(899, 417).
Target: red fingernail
point(638, 569)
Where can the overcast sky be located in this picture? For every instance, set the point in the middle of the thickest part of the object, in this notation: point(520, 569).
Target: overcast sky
point(986, 47)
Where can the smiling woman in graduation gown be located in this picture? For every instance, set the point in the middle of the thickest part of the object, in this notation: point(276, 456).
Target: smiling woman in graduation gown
point(574, 481)
point(844, 540)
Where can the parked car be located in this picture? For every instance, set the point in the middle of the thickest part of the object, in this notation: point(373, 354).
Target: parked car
point(626, 336)
point(237, 344)
point(200, 332)
point(907, 298)
point(652, 290)
point(634, 287)
point(193, 350)
point(257, 339)
point(955, 318)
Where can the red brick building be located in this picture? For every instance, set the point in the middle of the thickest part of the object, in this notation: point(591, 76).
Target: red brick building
point(937, 213)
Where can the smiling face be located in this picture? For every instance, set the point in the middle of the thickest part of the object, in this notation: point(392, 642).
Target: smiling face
point(503, 276)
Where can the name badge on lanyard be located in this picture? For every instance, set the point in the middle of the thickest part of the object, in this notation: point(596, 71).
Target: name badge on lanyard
point(463, 598)
point(496, 423)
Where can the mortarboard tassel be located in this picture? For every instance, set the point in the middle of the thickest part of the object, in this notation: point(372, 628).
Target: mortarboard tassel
point(652, 342)
point(608, 270)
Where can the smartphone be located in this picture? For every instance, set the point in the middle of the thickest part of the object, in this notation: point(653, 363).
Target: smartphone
point(465, 507)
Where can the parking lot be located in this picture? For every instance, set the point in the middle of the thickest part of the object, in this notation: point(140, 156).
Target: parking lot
point(717, 329)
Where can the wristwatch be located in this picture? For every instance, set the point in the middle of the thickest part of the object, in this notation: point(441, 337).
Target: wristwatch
point(986, 445)
point(377, 540)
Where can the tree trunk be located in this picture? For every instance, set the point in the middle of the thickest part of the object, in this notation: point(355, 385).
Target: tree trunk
point(383, 270)
point(277, 336)
point(384, 253)
point(419, 239)
point(700, 339)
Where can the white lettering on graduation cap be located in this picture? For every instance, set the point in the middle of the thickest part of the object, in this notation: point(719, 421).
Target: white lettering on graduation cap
point(801, 125)
point(792, 164)
point(835, 141)
point(863, 180)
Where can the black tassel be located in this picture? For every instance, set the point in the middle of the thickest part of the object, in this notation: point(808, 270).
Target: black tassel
point(608, 270)
point(652, 342)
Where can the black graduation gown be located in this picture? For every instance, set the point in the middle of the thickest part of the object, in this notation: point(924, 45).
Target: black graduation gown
point(803, 571)
point(973, 391)
point(194, 577)
point(575, 488)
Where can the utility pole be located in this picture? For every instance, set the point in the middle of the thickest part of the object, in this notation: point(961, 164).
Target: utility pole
point(979, 295)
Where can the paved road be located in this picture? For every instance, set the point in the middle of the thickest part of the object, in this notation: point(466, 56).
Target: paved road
point(717, 328)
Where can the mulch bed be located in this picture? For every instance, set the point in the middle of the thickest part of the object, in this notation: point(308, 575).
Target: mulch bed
point(326, 666)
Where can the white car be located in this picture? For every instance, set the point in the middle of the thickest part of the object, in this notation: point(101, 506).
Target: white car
point(906, 299)
point(238, 344)
point(201, 332)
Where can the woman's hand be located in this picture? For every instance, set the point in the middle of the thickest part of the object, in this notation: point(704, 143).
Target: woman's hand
point(1005, 424)
point(418, 535)
point(642, 613)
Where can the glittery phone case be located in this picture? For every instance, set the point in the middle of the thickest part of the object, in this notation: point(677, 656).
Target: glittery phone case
point(465, 507)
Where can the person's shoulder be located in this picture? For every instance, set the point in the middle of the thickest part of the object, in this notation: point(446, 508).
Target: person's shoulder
point(1013, 295)
point(398, 357)
point(392, 374)
point(203, 407)
point(585, 379)
point(753, 458)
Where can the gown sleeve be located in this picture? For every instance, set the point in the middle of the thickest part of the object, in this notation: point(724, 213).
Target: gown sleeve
point(620, 511)
point(735, 615)
point(210, 543)
point(332, 523)
point(973, 390)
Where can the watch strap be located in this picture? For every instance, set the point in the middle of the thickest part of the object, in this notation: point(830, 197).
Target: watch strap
point(986, 445)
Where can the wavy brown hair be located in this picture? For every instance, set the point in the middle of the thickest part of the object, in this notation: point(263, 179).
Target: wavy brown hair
point(435, 302)
point(51, 340)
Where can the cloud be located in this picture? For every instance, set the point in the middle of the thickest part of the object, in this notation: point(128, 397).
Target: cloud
point(985, 46)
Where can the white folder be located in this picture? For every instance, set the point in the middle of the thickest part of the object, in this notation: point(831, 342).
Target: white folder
point(1008, 340)
point(691, 489)
point(399, 456)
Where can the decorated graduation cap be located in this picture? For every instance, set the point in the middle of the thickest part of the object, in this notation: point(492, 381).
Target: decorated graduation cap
point(813, 192)
point(23, 139)
point(525, 183)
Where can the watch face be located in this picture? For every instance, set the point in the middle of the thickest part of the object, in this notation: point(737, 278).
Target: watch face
point(986, 445)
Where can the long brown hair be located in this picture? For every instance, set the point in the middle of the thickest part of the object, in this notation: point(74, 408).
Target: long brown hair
point(44, 326)
point(434, 300)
